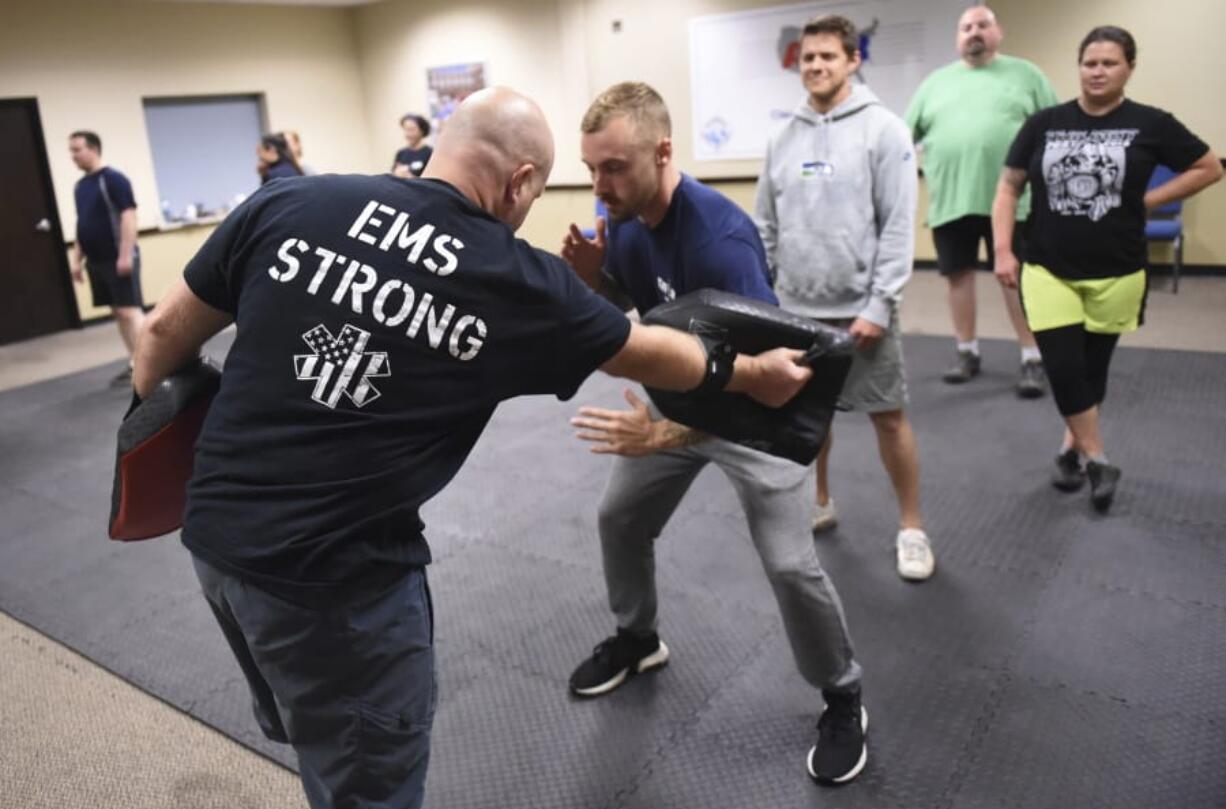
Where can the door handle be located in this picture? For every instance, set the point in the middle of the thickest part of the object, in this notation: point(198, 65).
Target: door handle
point(43, 225)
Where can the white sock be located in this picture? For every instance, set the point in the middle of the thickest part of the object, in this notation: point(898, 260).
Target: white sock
point(1031, 354)
point(972, 346)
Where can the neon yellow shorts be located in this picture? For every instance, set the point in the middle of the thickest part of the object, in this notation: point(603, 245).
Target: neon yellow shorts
point(1103, 305)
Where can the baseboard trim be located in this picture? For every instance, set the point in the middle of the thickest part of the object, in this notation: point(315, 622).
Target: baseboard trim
point(1208, 270)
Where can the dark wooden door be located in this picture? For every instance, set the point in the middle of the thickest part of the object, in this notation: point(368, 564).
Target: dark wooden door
point(35, 286)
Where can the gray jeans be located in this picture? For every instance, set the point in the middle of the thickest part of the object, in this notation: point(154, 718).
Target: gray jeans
point(777, 497)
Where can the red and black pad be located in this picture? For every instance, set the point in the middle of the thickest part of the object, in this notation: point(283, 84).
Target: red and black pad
point(157, 442)
point(795, 431)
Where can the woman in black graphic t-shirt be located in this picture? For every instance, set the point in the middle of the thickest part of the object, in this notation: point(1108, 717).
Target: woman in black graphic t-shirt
point(1083, 283)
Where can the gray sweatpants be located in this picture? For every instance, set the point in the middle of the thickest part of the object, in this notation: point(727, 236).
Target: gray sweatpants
point(777, 497)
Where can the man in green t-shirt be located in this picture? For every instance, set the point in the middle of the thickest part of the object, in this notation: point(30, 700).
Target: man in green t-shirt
point(963, 118)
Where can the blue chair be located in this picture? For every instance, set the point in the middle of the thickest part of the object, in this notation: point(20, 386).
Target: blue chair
point(1166, 225)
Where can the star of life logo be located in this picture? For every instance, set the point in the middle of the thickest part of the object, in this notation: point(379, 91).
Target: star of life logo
point(341, 366)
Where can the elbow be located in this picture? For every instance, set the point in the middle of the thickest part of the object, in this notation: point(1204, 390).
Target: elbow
point(155, 325)
point(155, 330)
point(152, 342)
point(1209, 166)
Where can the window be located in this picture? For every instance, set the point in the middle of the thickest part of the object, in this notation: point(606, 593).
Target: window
point(203, 153)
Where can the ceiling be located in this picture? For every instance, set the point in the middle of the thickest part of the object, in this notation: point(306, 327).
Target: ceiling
point(279, 2)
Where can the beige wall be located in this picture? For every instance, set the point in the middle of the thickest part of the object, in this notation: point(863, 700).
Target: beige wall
point(344, 76)
point(534, 45)
point(564, 51)
point(1180, 68)
point(90, 63)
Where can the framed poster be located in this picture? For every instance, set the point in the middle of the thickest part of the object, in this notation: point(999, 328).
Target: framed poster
point(448, 85)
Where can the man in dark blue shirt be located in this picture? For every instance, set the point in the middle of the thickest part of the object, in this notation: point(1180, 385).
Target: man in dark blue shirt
point(671, 235)
point(379, 323)
point(106, 240)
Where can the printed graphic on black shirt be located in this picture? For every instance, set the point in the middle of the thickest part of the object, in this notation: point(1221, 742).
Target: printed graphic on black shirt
point(1084, 170)
point(341, 366)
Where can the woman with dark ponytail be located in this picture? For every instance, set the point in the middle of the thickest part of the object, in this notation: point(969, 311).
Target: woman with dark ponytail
point(276, 159)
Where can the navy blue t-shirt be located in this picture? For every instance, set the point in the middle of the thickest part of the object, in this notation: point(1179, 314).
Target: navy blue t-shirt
point(704, 242)
point(415, 159)
point(379, 323)
point(98, 219)
point(278, 170)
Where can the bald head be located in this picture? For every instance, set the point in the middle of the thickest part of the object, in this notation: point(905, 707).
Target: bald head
point(498, 150)
point(979, 35)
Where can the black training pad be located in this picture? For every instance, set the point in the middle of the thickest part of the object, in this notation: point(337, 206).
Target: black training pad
point(796, 430)
point(1058, 658)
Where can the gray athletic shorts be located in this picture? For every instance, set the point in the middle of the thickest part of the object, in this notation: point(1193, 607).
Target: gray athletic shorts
point(877, 382)
point(109, 288)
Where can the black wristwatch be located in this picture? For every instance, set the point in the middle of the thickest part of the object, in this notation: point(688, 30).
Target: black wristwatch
point(721, 359)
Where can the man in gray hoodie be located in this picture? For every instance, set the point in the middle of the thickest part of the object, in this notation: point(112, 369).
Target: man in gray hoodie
point(836, 210)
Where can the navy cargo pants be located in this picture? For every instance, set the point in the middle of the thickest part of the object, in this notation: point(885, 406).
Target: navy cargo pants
point(351, 687)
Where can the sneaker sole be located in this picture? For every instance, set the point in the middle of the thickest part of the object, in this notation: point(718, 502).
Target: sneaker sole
point(1030, 393)
point(854, 771)
point(822, 526)
point(652, 661)
point(918, 576)
point(1102, 503)
point(1069, 487)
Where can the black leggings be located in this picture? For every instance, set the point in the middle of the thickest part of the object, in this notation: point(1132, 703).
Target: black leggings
point(1076, 362)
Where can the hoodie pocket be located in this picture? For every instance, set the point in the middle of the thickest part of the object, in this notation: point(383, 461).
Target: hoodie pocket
point(822, 264)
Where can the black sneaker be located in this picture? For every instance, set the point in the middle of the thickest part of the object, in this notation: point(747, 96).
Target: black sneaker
point(1068, 476)
point(840, 752)
point(616, 659)
point(1032, 381)
point(964, 368)
point(1103, 477)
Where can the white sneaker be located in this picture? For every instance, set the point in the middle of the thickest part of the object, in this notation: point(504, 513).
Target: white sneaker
point(826, 517)
point(915, 559)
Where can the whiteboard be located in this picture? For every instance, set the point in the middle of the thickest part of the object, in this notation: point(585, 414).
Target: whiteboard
point(744, 80)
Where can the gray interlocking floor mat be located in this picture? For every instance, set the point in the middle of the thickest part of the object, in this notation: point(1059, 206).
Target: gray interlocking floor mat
point(1059, 657)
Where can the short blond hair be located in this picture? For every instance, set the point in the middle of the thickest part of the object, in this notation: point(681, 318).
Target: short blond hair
point(637, 101)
